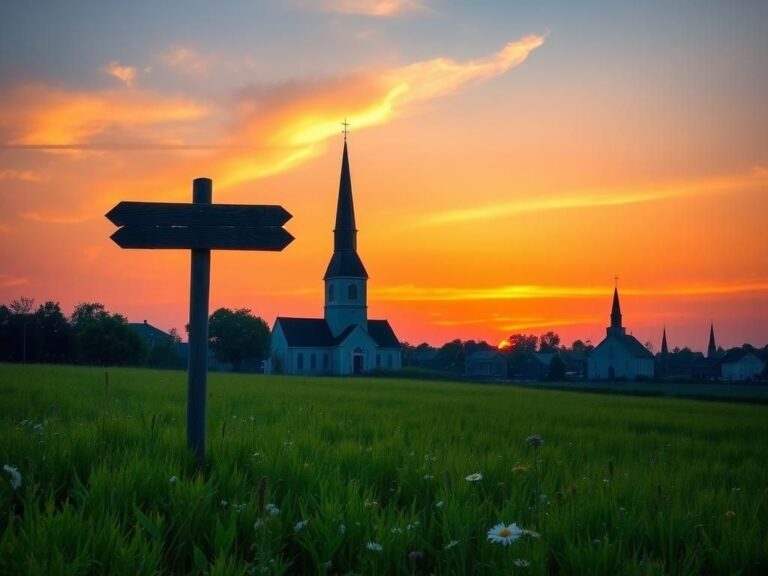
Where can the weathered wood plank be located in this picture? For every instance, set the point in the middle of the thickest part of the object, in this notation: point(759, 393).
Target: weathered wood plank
point(203, 237)
point(180, 214)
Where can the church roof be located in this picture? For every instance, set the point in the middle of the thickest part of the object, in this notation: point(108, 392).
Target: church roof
point(631, 345)
point(345, 261)
point(382, 333)
point(345, 264)
point(306, 332)
point(315, 332)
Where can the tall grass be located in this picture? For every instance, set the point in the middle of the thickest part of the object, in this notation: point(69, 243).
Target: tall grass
point(621, 485)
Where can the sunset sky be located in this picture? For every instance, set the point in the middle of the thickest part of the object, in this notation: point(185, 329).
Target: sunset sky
point(508, 159)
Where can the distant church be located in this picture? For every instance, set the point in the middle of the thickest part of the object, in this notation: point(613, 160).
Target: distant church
point(619, 355)
point(344, 341)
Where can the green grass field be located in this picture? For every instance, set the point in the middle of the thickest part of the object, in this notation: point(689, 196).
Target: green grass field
point(368, 476)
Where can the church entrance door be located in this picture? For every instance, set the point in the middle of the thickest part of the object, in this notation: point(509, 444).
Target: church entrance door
point(357, 362)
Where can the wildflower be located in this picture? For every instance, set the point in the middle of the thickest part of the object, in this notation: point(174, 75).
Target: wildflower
point(374, 546)
point(596, 542)
point(476, 477)
point(342, 529)
point(299, 526)
point(259, 522)
point(272, 510)
point(396, 530)
point(520, 469)
point(521, 563)
point(428, 476)
point(238, 507)
point(370, 503)
point(223, 503)
point(534, 440)
point(15, 475)
point(450, 544)
point(173, 479)
point(730, 514)
point(416, 556)
point(503, 534)
point(439, 504)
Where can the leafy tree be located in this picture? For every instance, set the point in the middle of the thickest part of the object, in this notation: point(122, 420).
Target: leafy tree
point(165, 352)
point(238, 335)
point(6, 341)
point(104, 338)
point(549, 342)
point(20, 327)
point(451, 356)
point(556, 370)
point(52, 334)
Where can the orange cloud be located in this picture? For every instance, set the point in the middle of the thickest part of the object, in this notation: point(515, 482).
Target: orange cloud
point(8, 281)
point(407, 293)
point(599, 198)
point(126, 74)
point(23, 175)
point(39, 116)
point(365, 7)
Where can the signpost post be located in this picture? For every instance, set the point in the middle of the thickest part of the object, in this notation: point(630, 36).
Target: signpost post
point(199, 227)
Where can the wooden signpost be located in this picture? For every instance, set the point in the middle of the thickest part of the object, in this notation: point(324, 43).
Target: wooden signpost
point(199, 227)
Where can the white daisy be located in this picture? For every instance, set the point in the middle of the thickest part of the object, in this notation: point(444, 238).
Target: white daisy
point(374, 546)
point(439, 504)
point(476, 477)
point(504, 534)
point(299, 526)
point(273, 510)
point(15, 475)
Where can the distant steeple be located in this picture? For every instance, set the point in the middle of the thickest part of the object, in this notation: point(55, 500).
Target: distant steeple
point(711, 349)
point(664, 349)
point(616, 329)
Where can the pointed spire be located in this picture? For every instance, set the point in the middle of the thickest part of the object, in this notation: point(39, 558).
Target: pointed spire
point(616, 310)
point(711, 349)
point(664, 349)
point(345, 261)
point(345, 233)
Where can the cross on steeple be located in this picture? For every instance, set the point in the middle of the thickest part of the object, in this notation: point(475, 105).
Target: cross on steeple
point(345, 129)
point(615, 281)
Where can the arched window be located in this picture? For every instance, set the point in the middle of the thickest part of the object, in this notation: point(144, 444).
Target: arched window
point(330, 293)
point(352, 292)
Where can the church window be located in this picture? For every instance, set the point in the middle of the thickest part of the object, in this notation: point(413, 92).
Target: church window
point(352, 292)
point(300, 361)
point(330, 293)
point(325, 361)
point(389, 361)
point(312, 361)
point(378, 360)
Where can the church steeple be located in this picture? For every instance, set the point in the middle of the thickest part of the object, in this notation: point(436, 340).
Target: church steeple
point(616, 329)
point(664, 349)
point(346, 300)
point(711, 349)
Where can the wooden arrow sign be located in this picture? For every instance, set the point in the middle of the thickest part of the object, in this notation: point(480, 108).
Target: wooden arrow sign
point(203, 237)
point(177, 214)
point(199, 227)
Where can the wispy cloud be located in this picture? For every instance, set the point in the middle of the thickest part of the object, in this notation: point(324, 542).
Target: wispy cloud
point(126, 74)
point(186, 60)
point(40, 116)
point(57, 218)
point(23, 175)
point(536, 292)
point(8, 280)
point(598, 198)
point(380, 8)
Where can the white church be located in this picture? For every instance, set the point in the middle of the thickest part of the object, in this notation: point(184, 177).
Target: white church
point(619, 355)
point(344, 341)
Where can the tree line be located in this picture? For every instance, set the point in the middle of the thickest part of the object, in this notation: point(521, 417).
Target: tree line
point(92, 335)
